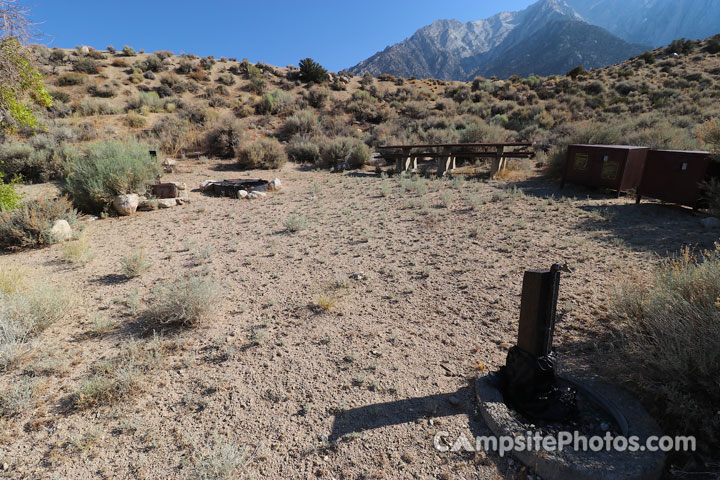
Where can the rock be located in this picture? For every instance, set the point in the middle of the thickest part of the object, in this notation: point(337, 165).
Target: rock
point(710, 222)
point(256, 195)
point(166, 202)
point(357, 276)
point(149, 75)
point(85, 50)
point(180, 185)
point(148, 205)
point(126, 204)
point(242, 194)
point(169, 165)
point(275, 184)
point(182, 200)
point(61, 231)
point(206, 185)
point(167, 61)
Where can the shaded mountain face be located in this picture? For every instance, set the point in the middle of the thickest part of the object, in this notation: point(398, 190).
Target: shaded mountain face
point(452, 50)
point(652, 22)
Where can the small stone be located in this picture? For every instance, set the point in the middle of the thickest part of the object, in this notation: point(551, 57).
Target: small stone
point(61, 231)
point(242, 194)
point(324, 438)
point(180, 185)
point(126, 204)
point(357, 276)
point(256, 195)
point(167, 202)
point(148, 205)
point(454, 401)
point(182, 200)
point(710, 222)
point(169, 165)
point(275, 184)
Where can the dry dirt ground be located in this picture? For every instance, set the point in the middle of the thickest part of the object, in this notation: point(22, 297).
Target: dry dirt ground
point(271, 386)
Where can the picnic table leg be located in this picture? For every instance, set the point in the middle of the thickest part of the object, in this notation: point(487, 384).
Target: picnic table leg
point(414, 163)
point(498, 162)
point(402, 164)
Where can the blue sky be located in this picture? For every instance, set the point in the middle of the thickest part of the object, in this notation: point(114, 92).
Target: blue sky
point(336, 33)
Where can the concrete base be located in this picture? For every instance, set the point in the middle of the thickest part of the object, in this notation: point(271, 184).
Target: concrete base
point(578, 465)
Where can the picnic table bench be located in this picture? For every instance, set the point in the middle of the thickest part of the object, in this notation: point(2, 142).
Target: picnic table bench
point(445, 154)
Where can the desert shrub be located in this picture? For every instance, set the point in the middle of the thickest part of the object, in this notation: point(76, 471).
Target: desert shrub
point(295, 223)
point(148, 101)
point(713, 44)
point(77, 251)
point(151, 63)
point(303, 150)
point(30, 224)
point(60, 95)
point(163, 54)
point(195, 113)
point(185, 67)
point(416, 109)
point(70, 79)
point(594, 88)
point(223, 138)
point(107, 169)
point(479, 132)
point(318, 96)
point(343, 152)
point(89, 107)
point(311, 71)
point(41, 159)
point(303, 122)
point(275, 102)
point(257, 84)
point(128, 51)
point(184, 302)
point(135, 120)
point(87, 65)
point(102, 91)
point(669, 343)
point(625, 88)
point(680, 46)
point(173, 134)
point(576, 72)
point(24, 314)
point(135, 263)
point(226, 79)
point(648, 58)
point(199, 75)
point(9, 197)
point(711, 194)
point(265, 153)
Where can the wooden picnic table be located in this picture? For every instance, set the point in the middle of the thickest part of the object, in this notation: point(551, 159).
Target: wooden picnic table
point(446, 154)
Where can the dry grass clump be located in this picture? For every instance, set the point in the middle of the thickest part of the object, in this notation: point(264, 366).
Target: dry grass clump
point(184, 302)
point(26, 312)
point(77, 252)
point(669, 347)
point(135, 263)
point(295, 223)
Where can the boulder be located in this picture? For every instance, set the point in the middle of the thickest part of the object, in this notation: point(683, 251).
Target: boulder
point(61, 231)
point(180, 185)
point(710, 222)
point(85, 50)
point(126, 204)
point(169, 165)
point(275, 184)
point(242, 194)
point(148, 205)
point(166, 202)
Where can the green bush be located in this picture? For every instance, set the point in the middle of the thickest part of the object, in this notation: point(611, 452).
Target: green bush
point(128, 51)
point(152, 63)
point(648, 58)
point(107, 169)
point(226, 79)
point(318, 96)
point(89, 107)
point(343, 152)
point(265, 153)
point(29, 225)
point(40, 160)
point(275, 102)
point(669, 343)
point(311, 71)
point(9, 198)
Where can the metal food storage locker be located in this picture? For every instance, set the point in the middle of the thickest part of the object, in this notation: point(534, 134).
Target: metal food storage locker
point(675, 176)
point(617, 167)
